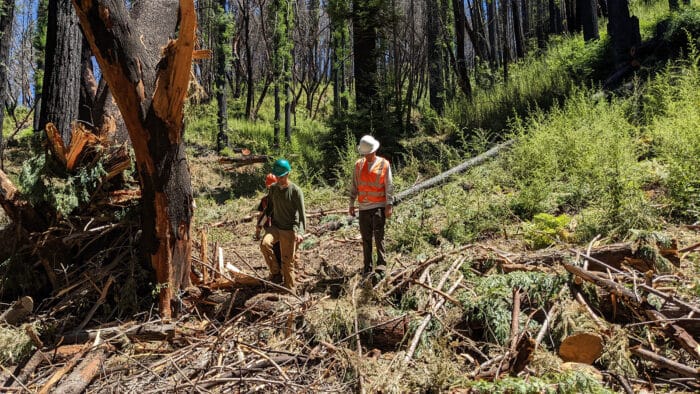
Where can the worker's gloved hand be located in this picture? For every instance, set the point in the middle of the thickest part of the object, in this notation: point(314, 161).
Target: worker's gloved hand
point(351, 211)
point(257, 233)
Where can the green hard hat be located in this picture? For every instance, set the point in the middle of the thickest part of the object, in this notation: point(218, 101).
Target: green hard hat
point(281, 167)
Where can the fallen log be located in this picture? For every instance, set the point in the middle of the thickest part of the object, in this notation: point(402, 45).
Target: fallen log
point(270, 304)
point(438, 179)
point(240, 161)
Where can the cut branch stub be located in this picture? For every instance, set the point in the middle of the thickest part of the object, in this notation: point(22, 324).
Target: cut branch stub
point(581, 348)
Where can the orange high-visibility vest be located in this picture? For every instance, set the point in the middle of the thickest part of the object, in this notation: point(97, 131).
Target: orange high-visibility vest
point(371, 181)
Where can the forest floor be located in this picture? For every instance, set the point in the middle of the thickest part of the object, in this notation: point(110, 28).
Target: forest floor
point(441, 322)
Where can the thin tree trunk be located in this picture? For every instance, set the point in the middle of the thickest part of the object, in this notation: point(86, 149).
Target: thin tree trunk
point(287, 66)
point(261, 99)
point(517, 26)
point(436, 85)
point(525, 10)
point(222, 115)
point(250, 97)
point(505, 38)
point(493, 33)
point(7, 12)
point(460, 57)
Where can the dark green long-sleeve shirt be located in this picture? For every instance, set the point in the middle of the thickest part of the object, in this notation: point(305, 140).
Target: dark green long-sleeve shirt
point(287, 208)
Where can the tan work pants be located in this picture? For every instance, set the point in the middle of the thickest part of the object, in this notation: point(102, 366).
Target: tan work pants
point(287, 248)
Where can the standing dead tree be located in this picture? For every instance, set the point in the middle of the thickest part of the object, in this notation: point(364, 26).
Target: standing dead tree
point(149, 73)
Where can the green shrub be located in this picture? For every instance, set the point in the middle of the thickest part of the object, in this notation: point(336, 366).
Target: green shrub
point(674, 140)
point(45, 182)
point(545, 229)
point(568, 382)
point(15, 345)
point(580, 155)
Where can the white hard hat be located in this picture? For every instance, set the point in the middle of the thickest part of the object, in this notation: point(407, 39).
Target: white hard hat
point(367, 145)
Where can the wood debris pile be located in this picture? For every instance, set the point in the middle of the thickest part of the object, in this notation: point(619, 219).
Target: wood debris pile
point(611, 313)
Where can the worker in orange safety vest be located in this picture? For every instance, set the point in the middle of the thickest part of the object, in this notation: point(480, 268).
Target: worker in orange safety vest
point(373, 188)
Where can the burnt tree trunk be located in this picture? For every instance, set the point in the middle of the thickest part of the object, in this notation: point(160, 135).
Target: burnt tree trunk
point(555, 18)
point(589, 19)
point(364, 41)
point(222, 119)
point(250, 81)
point(517, 26)
point(436, 86)
point(460, 56)
point(150, 91)
point(492, 21)
point(624, 32)
point(61, 87)
point(88, 86)
point(7, 12)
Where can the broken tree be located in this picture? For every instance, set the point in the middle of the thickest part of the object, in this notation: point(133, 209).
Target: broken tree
point(149, 75)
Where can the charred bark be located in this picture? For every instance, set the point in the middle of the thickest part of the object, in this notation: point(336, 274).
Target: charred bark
point(7, 11)
point(517, 26)
point(222, 117)
point(61, 84)
point(150, 92)
point(589, 19)
point(364, 32)
point(460, 56)
point(436, 85)
point(624, 33)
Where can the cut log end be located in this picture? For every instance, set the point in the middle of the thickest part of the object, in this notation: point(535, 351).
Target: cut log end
point(582, 348)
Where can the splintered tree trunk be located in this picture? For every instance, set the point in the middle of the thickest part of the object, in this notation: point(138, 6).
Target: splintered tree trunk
point(150, 91)
point(61, 87)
